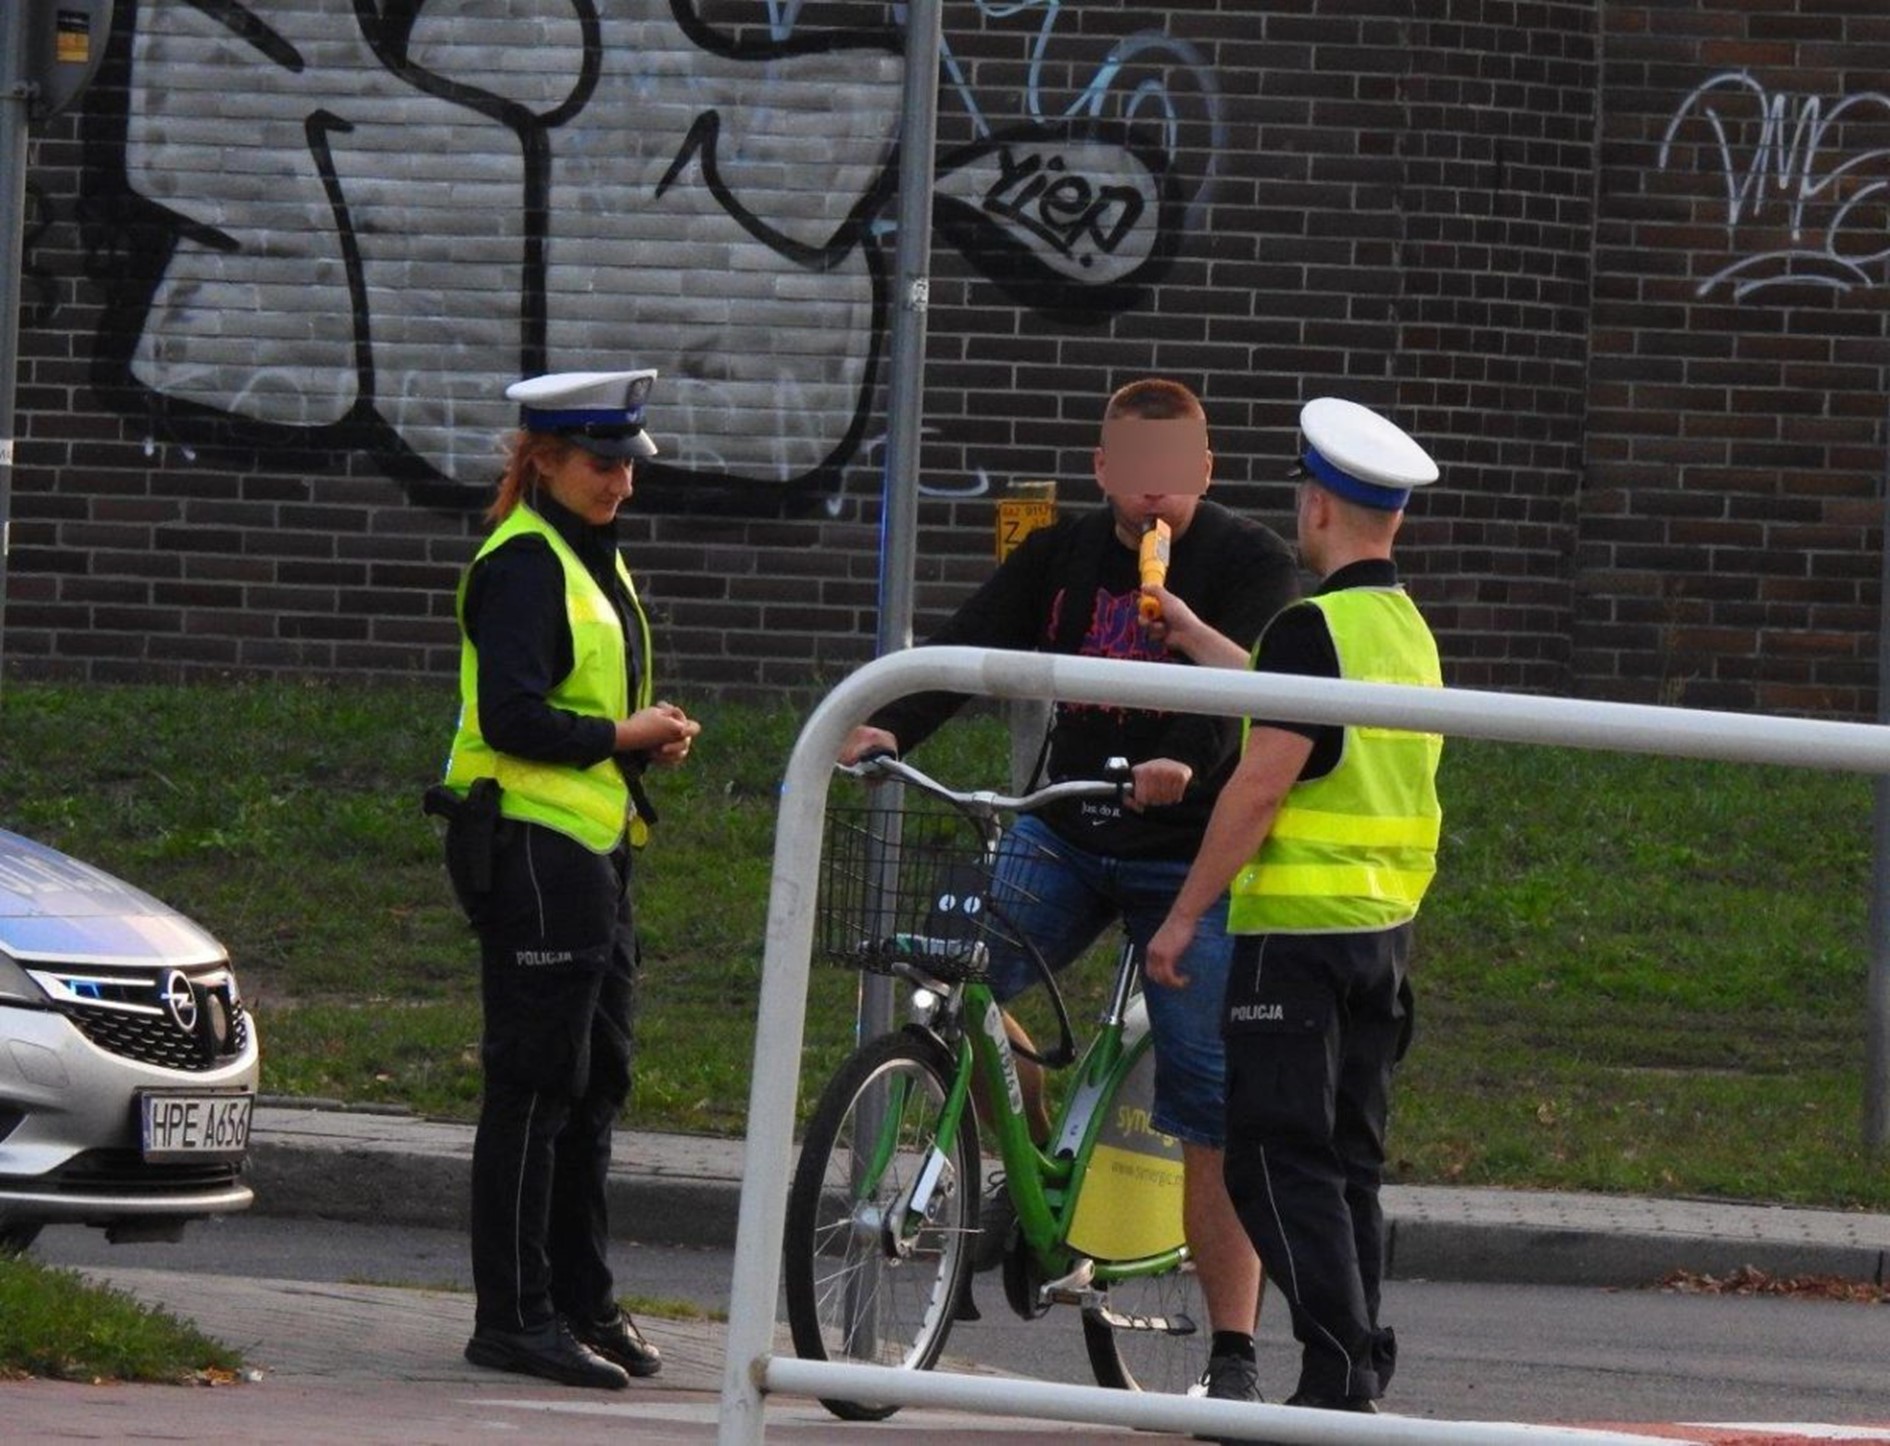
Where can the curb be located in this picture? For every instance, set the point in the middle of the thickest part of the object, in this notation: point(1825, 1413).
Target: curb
point(435, 1191)
point(1491, 1254)
point(380, 1167)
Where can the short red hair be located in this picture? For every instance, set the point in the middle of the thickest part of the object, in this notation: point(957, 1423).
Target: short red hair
point(1154, 399)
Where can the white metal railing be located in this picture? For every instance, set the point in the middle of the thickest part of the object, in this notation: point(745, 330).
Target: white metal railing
point(751, 1369)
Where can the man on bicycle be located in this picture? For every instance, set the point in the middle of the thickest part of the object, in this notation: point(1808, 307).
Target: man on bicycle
point(1074, 587)
point(1327, 836)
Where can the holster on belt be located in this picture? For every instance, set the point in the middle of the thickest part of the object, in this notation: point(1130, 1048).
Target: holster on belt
point(472, 831)
point(641, 800)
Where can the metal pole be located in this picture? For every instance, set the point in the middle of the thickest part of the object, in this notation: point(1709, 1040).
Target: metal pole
point(905, 390)
point(1877, 992)
point(15, 94)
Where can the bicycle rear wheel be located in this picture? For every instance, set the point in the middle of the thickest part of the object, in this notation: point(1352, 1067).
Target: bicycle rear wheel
point(881, 1218)
point(1152, 1336)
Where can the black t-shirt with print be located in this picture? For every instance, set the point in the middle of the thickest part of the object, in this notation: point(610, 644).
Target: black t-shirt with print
point(1234, 572)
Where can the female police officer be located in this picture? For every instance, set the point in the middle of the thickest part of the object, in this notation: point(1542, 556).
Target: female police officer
point(556, 725)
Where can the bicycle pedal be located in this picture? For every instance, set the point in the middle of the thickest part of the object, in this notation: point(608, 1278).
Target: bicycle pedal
point(1073, 1288)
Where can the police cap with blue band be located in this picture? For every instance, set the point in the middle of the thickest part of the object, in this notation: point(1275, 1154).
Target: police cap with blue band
point(1361, 457)
point(602, 412)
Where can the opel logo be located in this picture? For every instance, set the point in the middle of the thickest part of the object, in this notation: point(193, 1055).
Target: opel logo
point(181, 1002)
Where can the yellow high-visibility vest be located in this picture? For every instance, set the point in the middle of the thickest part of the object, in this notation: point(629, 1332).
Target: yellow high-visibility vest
point(592, 804)
point(1354, 851)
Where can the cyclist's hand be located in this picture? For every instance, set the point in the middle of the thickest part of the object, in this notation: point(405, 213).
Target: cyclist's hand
point(1158, 782)
point(866, 739)
point(1161, 961)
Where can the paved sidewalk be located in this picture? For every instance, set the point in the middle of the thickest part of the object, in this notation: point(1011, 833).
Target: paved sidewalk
point(370, 1364)
point(382, 1364)
point(353, 1164)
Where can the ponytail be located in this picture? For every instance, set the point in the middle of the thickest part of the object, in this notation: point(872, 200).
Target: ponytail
point(527, 455)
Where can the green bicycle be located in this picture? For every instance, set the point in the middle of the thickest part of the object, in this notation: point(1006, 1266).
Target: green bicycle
point(883, 1211)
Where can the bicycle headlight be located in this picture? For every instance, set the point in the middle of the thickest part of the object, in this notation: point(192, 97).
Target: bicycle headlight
point(924, 1007)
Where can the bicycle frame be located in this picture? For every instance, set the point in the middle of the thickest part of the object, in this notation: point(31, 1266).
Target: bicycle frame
point(1045, 1184)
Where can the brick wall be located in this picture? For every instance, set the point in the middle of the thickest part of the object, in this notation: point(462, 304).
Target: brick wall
point(1729, 542)
point(276, 279)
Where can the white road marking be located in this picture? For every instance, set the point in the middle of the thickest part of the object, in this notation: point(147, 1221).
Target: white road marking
point(1805, 1430)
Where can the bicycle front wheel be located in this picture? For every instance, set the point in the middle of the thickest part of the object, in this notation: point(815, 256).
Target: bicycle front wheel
point(1152, 1335)
point(881, 1215)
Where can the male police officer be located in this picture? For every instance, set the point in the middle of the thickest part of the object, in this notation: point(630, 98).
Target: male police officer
point(1328, 837)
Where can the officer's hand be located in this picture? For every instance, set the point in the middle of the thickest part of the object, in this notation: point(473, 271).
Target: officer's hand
point(1161, 961)
point(669, 755)
point(1181, 630)
point(866, 739)
point(662, 730)
point(1175, 625)
point(1157, 783)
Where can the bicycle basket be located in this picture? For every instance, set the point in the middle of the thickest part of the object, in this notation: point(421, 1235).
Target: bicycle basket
point(908, 886)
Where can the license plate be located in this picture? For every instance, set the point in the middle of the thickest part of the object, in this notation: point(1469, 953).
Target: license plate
point(194, 1127)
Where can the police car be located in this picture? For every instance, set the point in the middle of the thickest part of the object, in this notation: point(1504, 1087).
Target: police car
point(128, 1064)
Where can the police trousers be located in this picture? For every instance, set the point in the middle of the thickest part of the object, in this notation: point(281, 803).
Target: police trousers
point(558, 977)
point(1314, 1025)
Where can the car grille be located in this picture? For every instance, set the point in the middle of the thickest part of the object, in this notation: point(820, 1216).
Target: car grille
point(154, 1039)
point(174, 1019)
point(125, 1172)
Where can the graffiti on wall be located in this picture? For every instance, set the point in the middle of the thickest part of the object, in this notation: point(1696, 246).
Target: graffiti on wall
point(351, 223)
point(1801, 205)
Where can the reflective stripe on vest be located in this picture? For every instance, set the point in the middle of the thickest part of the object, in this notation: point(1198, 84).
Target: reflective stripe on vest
point(1354, 851)
point(591, 805)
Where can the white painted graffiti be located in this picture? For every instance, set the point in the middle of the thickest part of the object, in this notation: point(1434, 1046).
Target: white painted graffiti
point(386, 226)
point(379, 214)
point(1779, 158)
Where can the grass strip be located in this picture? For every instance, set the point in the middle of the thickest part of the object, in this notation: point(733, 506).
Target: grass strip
point(55, 1323)
point(1633, 974)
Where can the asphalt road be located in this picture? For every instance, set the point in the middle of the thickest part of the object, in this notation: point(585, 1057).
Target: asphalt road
point(1467, 1351)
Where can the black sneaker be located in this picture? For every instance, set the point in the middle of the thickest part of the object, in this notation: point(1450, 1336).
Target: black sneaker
point(619, 1341)
point(1231, 1378)
point(550, 1351)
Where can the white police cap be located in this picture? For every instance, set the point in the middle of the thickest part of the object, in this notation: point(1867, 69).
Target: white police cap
point(1356, 454)
point(602, 412)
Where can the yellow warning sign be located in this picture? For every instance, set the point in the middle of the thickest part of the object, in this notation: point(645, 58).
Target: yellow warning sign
point(1017, 518)
point(72, 37)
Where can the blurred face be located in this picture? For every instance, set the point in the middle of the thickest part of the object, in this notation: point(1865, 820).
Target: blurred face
point(591, 486)
point(1152, 468)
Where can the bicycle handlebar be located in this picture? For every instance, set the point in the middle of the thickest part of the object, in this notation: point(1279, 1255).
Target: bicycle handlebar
point(988, 801)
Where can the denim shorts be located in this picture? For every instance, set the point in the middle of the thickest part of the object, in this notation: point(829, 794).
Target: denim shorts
point(1061, 898)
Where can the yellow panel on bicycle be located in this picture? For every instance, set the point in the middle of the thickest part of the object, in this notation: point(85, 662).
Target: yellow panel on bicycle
point(1130, 1205)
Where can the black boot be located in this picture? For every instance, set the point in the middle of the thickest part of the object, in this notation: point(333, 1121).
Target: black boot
point(549, 1350)
point(1362, 1405)
point(619, 1341)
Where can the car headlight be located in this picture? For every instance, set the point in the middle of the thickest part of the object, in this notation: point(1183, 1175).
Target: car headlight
point(15, 985)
